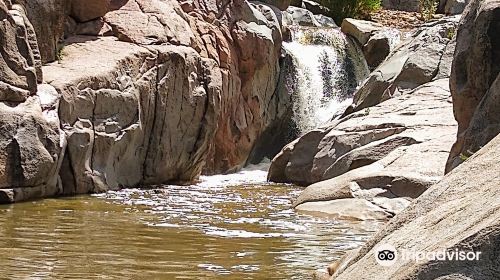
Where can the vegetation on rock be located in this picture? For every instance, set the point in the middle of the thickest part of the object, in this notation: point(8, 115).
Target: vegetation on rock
point(340, 9)
point(428, 9)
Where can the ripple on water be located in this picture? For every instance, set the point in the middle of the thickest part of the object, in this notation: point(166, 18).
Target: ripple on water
point(228, 226)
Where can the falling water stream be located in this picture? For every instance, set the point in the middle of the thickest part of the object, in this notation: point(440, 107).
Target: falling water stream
point(235, 226)
point(328, 68)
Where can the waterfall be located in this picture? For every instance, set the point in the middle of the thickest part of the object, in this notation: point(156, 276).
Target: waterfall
point(327, 69)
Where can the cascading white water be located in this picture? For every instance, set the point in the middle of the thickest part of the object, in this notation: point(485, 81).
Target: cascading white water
point(327, 68)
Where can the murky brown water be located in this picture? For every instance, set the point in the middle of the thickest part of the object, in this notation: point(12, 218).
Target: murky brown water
point(209, 231)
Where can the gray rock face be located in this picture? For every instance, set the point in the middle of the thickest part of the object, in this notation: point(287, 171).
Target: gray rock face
point(85, 10)
point(424, 56)
point(380, 45)
point(460, 212)
point(373, 157)
point(475, 80)
point(402, 5)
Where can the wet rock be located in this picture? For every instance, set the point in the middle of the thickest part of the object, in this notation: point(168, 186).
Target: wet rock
point(475, 80)
point(282, 130)
point(461, 212)
point(374, 154)
point(320, 275)
point(345, 209)
point(422, 57)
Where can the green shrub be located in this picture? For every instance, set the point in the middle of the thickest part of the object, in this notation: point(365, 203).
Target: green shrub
point(340, 9)
point(428, 8)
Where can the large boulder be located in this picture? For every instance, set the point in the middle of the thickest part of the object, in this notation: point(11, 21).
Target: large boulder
point(372, 160)
point(460, 213)
point(380, 45)
point(280, 4)
point(475, 80)
point(376, 40)
point(361, 30)
point(139, 99)
point(424, 56)
point(150, 22)
point(299, 17)
point(85, 10)
point(406, 5)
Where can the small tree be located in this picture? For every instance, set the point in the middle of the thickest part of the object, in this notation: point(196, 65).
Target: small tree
point(428, 8)
point(340, 9)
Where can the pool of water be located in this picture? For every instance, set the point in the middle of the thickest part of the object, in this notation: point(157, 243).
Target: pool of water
point(226, 227)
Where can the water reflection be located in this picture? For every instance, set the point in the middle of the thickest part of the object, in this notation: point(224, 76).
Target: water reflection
point(209, 231)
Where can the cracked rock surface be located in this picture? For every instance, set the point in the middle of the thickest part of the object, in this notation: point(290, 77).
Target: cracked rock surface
point(461, 212)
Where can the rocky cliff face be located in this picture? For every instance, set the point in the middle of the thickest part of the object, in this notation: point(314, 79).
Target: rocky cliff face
point(475, 80)
point(143, 92)
point(31, 142)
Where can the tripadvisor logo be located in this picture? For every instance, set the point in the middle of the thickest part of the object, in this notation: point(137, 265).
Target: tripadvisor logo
point(387, 255)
